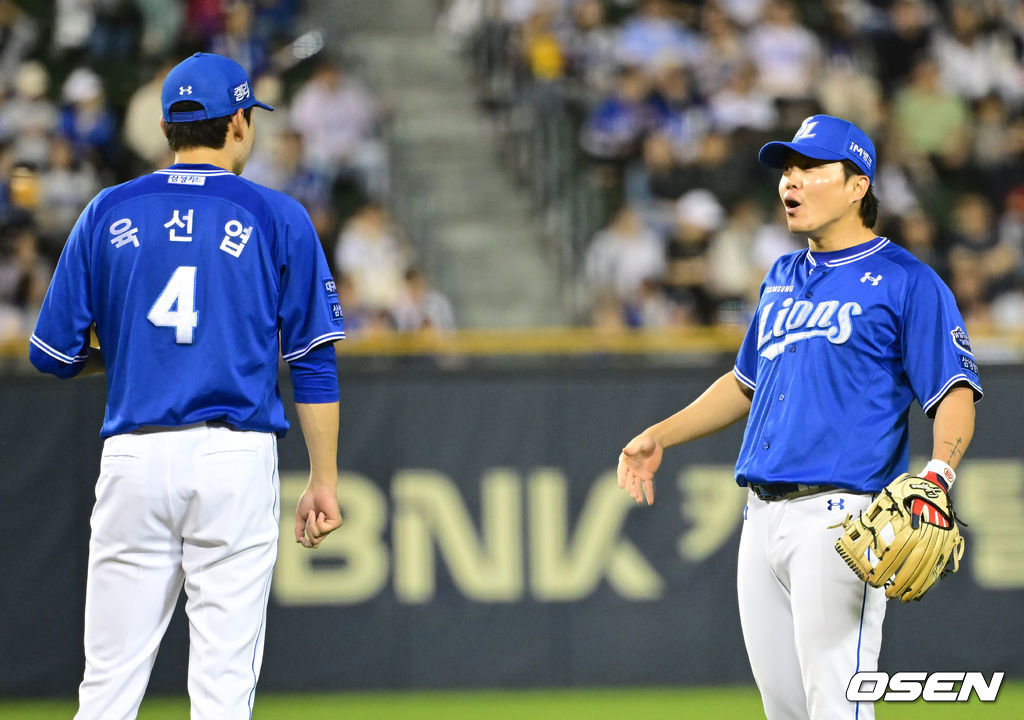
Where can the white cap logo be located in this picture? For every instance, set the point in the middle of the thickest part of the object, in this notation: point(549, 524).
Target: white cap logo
point(806, 130)
point(183, 90)
point(241, 92)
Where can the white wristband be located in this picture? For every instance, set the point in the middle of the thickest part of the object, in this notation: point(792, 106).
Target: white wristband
point(940, 468)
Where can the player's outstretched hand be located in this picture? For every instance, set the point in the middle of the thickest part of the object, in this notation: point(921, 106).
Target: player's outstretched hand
point(638, 462)
point(317, 514)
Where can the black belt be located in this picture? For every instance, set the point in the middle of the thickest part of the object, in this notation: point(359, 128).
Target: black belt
point(788, 491)
point(146, 429)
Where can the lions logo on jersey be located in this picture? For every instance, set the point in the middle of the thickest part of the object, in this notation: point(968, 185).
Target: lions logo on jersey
point(800, 320)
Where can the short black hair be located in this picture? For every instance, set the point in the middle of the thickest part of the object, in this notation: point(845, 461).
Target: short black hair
point(211, 133)
point(869, 203)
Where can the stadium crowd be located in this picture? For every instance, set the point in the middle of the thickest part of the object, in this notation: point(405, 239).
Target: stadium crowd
point(79, 109)
point(671, 99)
point(668, 101)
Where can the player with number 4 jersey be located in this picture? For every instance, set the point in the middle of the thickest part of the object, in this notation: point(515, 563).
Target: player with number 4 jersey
point(224, 264)
point(197, 282)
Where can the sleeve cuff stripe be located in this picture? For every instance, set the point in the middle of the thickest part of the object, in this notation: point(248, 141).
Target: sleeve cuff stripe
point(945, 388)
point(744, 379)
point(55, 354)
point(312, 344)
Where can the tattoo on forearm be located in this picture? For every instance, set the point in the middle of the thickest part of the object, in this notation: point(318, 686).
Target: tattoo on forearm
point(955, 449)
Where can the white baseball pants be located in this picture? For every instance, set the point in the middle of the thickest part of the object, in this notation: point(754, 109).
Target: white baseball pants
point(808, 623)
point(198, 507)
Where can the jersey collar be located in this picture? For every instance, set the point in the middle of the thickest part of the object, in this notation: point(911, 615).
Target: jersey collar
point(195, 169)
point(847, 255)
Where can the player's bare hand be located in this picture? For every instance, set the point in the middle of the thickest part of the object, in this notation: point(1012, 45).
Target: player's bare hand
point(316, 515)
point(638, 462)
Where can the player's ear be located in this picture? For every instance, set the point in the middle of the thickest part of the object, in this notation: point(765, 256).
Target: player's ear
point(861, 183)
point(163, 127)
point(238, 124)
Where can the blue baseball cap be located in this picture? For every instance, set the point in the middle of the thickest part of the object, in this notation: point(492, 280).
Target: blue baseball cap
point(216, 82)
point(824, 137)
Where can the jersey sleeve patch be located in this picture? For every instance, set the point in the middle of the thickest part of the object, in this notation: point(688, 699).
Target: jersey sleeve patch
point(961, 340)
point(967, 363)
point(330, 287)
point(337, 315)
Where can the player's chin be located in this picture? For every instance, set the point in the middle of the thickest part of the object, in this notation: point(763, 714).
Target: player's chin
point(798, 225)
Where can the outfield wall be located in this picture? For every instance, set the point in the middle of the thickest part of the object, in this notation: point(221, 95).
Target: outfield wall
point(486, 544)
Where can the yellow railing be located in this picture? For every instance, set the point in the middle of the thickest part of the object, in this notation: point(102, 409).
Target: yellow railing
point(571, 341)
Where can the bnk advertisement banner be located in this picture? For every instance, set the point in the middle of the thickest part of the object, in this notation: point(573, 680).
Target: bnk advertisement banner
point(487, 544)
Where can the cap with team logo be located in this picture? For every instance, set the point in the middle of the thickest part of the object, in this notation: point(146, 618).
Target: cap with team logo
point(216, 82)
point(824, 137)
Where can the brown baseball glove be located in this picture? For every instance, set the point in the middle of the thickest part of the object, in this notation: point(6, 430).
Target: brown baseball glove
point(906, 539)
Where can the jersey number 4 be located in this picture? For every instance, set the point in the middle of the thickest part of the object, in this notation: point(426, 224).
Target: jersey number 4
point(176, 306)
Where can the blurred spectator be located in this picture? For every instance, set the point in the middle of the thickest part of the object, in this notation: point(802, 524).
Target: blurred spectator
point(902, 42)
point(734, 276)
point(740, 104)
point(162, 23)
point(18, 32)
point(269, 88)
point(773, 240)
point(995, 157)
point(932, 124)
point(142, 133)
point(650, 307)
point(917, 232)
point(621, 256)
point(117, 33)
point(975, 60)
point(85, 120)
point(591, 49)
point(24, 277)
point(652, 36)
point(846, 86)
point(698, 216)
point(1011, 225)
point(722, 52)
point(894, 184)
point(744, 13)
point(361, 320)
point(275, 19)
point(542, 48)
point(615, 126)
point(65, 187)
point(204, 20)
point(28, 118)
point(661, 181)
point(976, 249)
point(676, 112)
point(73, 24)
point(286, 170)
point(238, 42)
point(787, 54)
point(373, 255)
point(421, 307)
point(339, 122)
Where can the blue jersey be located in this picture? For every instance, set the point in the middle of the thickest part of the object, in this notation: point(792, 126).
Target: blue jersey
point(197, 280)
point(841, 345)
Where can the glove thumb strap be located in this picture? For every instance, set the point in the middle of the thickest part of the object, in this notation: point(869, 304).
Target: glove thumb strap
point(939, 473)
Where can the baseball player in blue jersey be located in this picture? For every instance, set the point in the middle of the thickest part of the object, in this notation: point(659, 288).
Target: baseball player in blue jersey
point(847, 334)
point(196, 281)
